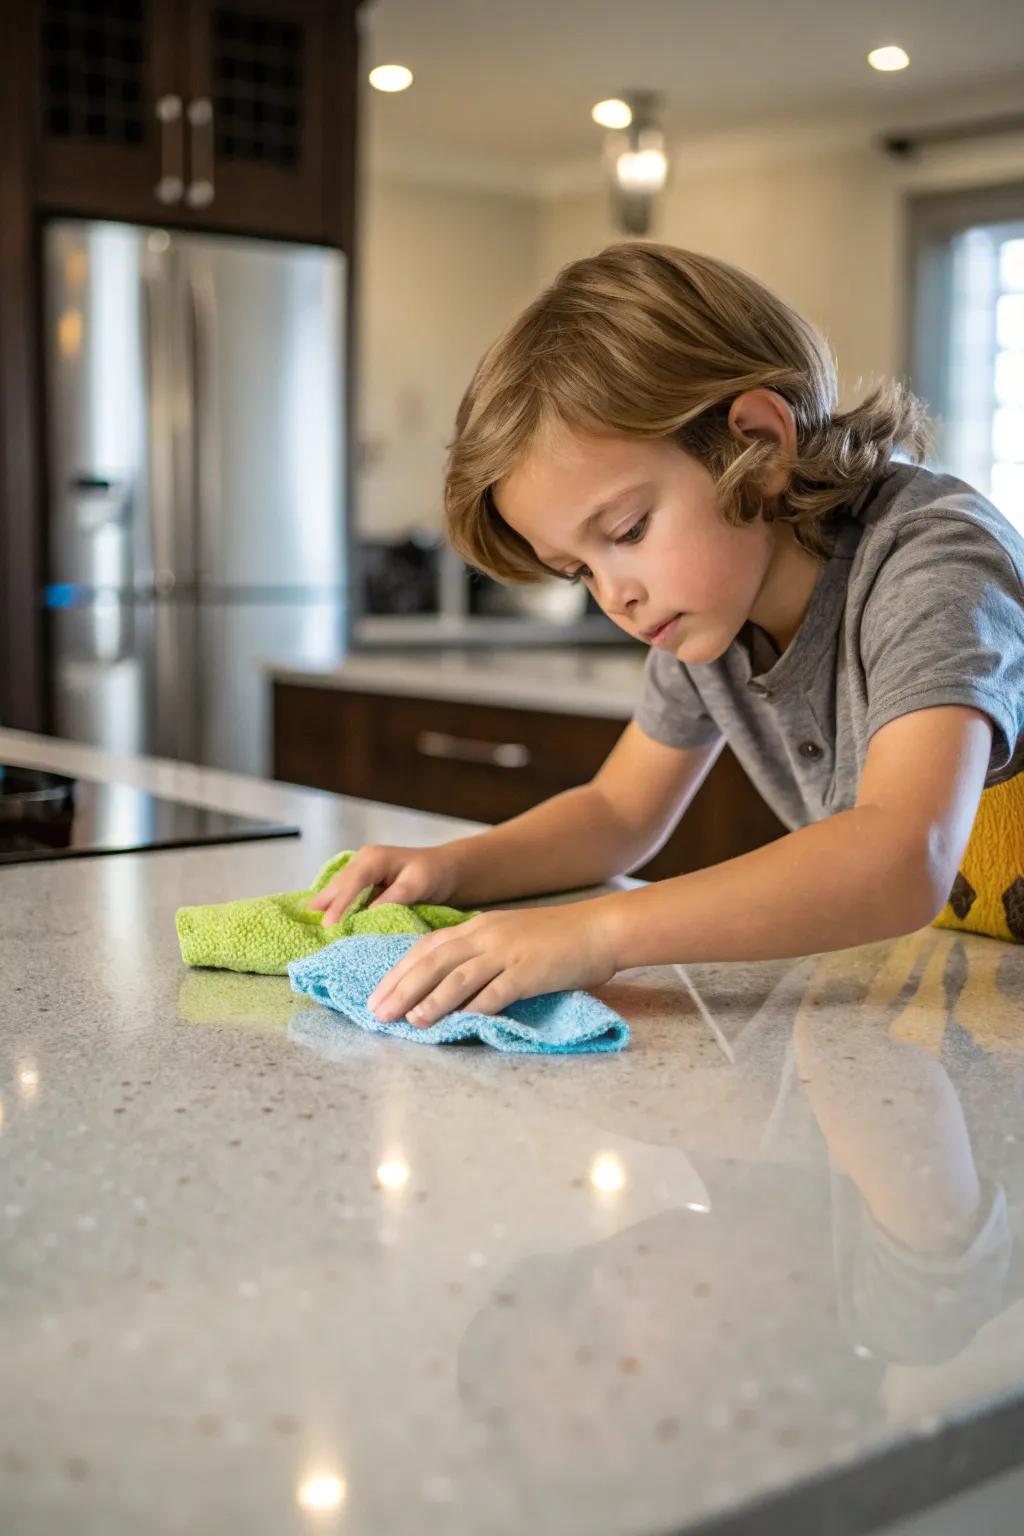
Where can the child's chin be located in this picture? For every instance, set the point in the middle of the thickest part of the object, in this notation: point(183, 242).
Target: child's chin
point(701, 650)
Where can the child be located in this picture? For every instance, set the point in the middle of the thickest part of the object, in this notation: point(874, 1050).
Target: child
point(661, 427)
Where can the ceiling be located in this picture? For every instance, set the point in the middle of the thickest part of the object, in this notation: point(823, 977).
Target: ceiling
point(507, 85)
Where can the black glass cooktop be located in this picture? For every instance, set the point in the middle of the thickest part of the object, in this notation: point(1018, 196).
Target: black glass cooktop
point(49, 816)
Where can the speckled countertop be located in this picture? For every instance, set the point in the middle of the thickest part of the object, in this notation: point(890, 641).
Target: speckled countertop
point(570, 680)
point(263, 1272)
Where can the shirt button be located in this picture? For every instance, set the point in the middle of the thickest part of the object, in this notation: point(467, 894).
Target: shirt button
point(760, 690)
point(809, 749)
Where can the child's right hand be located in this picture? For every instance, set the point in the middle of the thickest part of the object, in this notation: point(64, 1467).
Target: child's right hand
point(406, 875)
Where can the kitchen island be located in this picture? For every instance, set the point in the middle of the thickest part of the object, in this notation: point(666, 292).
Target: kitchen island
point(759, 1273)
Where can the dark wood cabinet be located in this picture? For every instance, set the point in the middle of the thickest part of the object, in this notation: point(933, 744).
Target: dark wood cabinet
point(99, 73)
point(257, 88)
point(232, 116)
point(226, 114)
point(488, 763)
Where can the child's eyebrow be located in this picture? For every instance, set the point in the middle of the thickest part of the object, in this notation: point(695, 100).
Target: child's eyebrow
point(599, 511)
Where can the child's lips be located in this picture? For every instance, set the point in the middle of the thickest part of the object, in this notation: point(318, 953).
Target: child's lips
point(664, 631)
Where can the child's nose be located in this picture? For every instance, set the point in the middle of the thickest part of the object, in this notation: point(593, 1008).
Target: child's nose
point(616, 591)
point(619, 597)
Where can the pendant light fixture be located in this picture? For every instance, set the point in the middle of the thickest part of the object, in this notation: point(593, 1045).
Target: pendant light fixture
point(636, 159)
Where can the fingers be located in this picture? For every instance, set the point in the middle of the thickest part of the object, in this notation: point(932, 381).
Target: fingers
point(438, 998)
point(387, 871)
point(397, 975)
point(335, 899)
point(455, 991)
point(336, 887)
point(494, 998)
point(342, 900)
point(431, 981)
point(400, 890)
point(368, 869)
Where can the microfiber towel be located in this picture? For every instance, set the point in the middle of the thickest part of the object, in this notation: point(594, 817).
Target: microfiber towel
point(345, 974)
point(264, 933)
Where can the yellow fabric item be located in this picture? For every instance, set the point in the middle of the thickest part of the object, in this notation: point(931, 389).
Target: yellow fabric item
point(988, 893)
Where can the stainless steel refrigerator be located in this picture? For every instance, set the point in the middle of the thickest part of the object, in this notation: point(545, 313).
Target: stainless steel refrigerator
point(196, 481)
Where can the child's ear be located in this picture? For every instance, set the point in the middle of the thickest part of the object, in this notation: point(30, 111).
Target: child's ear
point(762, 413)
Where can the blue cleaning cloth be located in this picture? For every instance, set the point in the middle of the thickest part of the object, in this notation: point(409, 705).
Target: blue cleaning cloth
point(344, 974)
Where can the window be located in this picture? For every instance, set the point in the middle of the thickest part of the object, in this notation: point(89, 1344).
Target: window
point(967, 336)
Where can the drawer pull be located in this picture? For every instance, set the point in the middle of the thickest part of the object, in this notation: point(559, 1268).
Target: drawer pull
point(460, 749)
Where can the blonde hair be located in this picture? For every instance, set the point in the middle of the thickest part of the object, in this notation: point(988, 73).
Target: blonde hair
point(650, 341)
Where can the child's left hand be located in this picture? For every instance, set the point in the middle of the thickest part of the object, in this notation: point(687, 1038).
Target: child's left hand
point(496, 959)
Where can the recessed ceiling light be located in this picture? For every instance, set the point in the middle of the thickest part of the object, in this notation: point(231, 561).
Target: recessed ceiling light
point(612, 113)
point(391, 77)
point(888, 59)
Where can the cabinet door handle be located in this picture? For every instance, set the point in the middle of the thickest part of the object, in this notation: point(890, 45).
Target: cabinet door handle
point(199, 193)
point(461, 749)
point(171, 184)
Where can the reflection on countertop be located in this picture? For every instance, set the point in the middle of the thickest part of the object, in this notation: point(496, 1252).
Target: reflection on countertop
point(763, 1268)
point(573, 680)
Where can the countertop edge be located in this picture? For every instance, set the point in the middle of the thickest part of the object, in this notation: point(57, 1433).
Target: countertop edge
point(875, 1491)
point(216, 789)
point(463, 687)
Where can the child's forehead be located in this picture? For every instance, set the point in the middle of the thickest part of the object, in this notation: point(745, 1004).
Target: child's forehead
point(557, 444)
point(587, 463)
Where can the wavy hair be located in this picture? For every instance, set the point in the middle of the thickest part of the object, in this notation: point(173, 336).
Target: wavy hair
point(651, 341)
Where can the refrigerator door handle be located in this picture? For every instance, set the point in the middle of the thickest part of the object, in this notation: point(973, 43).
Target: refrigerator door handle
point(157, 564)
point(205, 489)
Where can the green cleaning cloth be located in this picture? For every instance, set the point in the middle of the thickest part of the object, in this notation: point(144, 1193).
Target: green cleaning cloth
point(264, 933)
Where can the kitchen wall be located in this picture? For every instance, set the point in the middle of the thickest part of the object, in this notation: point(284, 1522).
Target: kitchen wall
point(818, 229)
point(816, 212)
point(443, 269)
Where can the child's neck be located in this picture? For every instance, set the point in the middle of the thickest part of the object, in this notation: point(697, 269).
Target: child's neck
point(785, 592)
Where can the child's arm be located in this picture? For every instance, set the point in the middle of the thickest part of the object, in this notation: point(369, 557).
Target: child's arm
point(586, 835)
point(881, 869)
point(582, 837)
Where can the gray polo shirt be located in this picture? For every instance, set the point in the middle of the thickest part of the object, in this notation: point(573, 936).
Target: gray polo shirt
point(921, 603)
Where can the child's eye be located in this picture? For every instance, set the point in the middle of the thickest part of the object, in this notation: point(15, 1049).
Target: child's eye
point(631, 536)
point(635, 534)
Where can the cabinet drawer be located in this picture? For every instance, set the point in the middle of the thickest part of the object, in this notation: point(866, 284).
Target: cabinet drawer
point(478, 761)
point(487, 763)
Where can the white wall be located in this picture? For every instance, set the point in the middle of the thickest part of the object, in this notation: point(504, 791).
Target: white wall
point(819, 232)
point(822, 222)
point(442, 271)
point(826, 230)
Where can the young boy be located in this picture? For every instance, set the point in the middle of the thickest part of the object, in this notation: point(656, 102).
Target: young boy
point(661, 427)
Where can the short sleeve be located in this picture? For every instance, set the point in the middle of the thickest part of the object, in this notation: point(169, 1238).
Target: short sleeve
point(944, 624)
point(670, 708)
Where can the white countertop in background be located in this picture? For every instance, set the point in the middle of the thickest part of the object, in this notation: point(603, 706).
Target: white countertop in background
point(761, 1272)
point(567, 681)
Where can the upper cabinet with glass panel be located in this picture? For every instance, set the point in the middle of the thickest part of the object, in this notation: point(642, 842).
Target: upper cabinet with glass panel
point(199, 113)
